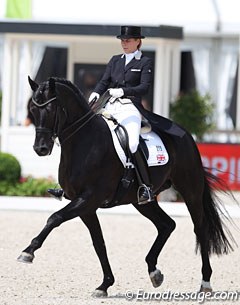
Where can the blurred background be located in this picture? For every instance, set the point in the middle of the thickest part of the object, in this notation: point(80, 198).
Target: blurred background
point(194, 45)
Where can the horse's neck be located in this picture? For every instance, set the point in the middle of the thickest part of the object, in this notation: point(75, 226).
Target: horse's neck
point(76, 120)
point(76, 109)
point(77, 114)
point(73, 103)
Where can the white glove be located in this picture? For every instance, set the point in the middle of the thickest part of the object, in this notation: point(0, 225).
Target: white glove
point(118, 92)
point(93, 95)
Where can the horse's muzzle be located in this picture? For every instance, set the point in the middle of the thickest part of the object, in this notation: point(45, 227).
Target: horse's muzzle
point(42, 150)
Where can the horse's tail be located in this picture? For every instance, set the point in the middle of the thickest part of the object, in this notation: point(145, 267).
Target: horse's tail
point(214, 212)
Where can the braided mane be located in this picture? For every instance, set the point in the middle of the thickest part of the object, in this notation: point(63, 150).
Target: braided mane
point(71, 85)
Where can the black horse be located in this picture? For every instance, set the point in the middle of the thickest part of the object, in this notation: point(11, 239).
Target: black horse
point(90, 172)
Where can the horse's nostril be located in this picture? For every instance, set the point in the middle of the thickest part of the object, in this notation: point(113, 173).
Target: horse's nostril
point(44, 151)
point(41, 150)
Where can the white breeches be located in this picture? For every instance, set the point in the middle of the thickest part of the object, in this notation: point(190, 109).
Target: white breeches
point(127, 115)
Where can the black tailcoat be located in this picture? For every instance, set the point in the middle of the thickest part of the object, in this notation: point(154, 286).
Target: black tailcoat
point(135, 79)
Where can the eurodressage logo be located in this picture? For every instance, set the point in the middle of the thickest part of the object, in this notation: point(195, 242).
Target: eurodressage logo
point(167, 296)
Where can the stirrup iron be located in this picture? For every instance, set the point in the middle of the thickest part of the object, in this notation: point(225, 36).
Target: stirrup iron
point(146, 189)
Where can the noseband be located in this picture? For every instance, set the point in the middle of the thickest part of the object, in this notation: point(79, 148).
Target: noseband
point(44, 129)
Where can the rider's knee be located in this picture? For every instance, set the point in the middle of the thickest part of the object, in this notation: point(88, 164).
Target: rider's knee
point(133, 145)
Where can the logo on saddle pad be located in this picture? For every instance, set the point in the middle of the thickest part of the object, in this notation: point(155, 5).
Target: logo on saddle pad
point(157, 151)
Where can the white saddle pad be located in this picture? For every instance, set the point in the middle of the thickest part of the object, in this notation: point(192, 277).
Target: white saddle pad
point(157, 151)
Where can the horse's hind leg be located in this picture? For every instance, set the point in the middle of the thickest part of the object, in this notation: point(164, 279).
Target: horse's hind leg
point(194, 202)
point(201, 230)
point(202, 239)
point(93, 225)
point(165, 225)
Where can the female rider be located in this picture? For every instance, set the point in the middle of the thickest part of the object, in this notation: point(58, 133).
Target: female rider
point(128, 77)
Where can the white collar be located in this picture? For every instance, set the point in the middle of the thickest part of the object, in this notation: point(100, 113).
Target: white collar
point(137, 54)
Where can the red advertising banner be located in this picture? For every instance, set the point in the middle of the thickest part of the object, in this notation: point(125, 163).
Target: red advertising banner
point(224, 160)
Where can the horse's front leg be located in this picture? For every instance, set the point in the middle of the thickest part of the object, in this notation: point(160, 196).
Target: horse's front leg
point(70, 211)
point(93, 225)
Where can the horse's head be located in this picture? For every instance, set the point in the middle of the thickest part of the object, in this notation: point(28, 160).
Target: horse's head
point(58, 109)
point(43, 108)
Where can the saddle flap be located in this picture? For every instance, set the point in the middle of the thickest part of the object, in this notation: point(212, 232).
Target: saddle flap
point(157, 152)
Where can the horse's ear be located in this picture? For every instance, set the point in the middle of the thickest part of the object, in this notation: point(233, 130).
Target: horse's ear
point(32, 84)
point(51, 83)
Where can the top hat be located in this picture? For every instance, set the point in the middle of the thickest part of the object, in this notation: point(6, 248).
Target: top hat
point(130, 32)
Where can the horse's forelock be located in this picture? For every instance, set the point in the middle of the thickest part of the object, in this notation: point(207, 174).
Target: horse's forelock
point(40, 90)
point(40, 96)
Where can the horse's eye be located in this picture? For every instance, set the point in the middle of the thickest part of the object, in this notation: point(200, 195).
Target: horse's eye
point(40, 92)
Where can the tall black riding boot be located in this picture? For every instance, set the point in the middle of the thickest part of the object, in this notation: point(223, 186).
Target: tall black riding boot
point(56, 193)
point(145, 193)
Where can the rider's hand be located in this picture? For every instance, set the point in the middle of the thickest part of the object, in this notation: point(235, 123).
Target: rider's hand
point(93, 96)
point(118, 92)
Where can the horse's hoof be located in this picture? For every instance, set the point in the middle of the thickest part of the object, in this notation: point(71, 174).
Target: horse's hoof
point(25, 258)
point(99, 293)
point(205, 289)
point(156, 278)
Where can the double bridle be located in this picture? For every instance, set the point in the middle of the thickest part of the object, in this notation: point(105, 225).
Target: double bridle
point(87, 117)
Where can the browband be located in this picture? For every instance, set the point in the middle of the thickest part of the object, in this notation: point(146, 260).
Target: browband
point(44, 104)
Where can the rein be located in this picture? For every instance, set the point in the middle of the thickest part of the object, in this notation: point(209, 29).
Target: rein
point(77, 122)
point(80, 120)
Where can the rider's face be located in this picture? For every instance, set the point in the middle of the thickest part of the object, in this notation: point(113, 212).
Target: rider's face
point(130, 45)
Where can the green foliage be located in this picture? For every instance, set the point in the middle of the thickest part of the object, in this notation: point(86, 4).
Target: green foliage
point(193, 112)
point(27, 187)
point(10, 169)
point(12, 184)
point(0, 106)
